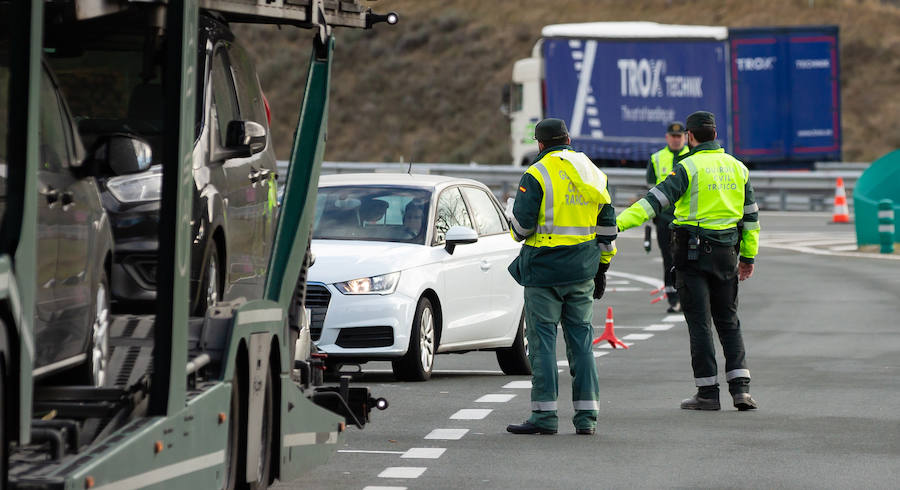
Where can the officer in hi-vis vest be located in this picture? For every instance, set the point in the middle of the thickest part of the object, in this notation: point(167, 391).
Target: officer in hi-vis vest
point(660, 166)
point(564, 214)
point(716, 219)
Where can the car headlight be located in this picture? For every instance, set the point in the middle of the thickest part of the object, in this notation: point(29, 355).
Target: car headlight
point(383, 284)
point(136, 188)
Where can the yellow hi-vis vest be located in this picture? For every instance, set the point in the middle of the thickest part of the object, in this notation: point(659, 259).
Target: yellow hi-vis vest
point(663, 162)
point(574, 191)
point(715, 196)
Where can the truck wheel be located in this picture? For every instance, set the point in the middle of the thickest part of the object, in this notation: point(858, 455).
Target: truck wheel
point(265, 445)
point(513, 360)
point(418, 362)
point(232, 458)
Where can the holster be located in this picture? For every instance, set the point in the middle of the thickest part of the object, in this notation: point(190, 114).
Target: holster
point(680, 238)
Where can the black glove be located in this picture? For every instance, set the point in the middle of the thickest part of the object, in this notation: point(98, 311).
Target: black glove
point(600, 281)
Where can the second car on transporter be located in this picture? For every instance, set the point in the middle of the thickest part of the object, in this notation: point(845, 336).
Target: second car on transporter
point(408, 266)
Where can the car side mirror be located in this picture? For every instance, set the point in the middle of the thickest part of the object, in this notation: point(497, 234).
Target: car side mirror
point(123, 154)
point(246, 135)
point(459, 235)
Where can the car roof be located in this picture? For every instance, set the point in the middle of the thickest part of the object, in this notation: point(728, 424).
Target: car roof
point(425, 181)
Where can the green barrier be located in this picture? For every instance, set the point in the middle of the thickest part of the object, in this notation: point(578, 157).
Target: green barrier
point(877, 183)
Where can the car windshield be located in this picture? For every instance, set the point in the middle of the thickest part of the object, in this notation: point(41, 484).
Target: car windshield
point(112, 79)
point(384, 214)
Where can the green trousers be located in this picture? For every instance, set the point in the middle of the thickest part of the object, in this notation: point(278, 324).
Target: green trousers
point(572, 306)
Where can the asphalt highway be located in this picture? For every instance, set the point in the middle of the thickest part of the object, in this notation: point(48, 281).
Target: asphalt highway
point(823, 338)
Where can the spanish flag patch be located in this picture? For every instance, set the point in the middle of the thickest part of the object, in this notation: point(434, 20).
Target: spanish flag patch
point(521, 188)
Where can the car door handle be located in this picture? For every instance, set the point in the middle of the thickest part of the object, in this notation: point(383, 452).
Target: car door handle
point(51, 194)
point(253, 176)
point(485, 265)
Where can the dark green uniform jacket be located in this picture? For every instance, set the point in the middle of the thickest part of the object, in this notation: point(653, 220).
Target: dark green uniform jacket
point(555, 266)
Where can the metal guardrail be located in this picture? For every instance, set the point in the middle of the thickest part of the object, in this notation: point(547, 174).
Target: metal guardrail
point(775, 189)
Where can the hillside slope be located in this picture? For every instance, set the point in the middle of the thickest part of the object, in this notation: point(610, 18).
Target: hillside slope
point(428, 89)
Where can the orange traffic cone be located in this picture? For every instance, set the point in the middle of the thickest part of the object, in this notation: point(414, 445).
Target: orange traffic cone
point(841, 211)
point(609, 333)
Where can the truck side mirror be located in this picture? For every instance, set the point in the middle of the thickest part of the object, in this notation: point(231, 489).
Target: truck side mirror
point(123, 154)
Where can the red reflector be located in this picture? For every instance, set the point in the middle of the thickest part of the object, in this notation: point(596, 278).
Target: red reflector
point(268, 111)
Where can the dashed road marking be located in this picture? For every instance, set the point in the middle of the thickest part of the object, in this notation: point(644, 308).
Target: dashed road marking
point(361, 451)
point(617, 283)
point(659, 327)
point(402, 472)
point(496, 398)
point(600, 354)
point(637, 336)
point(625, 289)
point(673, 318)
point(471, 414)
point(383, 488)
point(518, 385)
point(447, 434)
point(607, 346)
point(424, 453)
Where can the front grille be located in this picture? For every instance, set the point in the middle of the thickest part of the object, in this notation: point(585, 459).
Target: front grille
point(359, 337)
point(317, 299)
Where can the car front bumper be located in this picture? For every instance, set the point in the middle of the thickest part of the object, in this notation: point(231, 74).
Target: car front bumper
point(361, 327)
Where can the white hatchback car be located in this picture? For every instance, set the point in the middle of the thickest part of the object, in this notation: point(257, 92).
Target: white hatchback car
point(407, 266)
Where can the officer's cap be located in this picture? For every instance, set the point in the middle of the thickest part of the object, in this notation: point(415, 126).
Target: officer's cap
point(675, 128)
point(551, 129)
point(701, 119)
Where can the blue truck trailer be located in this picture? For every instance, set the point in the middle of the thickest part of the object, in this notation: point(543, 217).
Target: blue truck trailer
point(774, 90)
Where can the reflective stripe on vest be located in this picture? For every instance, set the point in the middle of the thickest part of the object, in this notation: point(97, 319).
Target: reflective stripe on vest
point(574, 190)
point(715, 196)
point(663, 162)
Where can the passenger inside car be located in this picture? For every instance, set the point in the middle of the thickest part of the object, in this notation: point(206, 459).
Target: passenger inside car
point(371, 211)
point(413, 219)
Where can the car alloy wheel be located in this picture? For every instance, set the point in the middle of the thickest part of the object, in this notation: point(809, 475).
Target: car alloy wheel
point(426, 339)
point(212, 281)
point(100, 343)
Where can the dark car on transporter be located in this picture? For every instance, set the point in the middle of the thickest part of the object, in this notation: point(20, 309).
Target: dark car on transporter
point(73, 248)
point(234, 167)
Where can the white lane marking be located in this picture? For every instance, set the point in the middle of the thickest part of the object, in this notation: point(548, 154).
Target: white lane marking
point(562, 363)
point(440, 371)
point(402, 472)
point(518, 385)
point(617, 283)
point(363, 451)
point(447, 434)
point(844, 248)
point(625, 290)
point(637, 336)
point(656, 283)
point(673, 318)
point(607, 346)
point(600, 354)
point(471, 414)
point(370, 487)
point(424, 453)
point(659, 327)
point(496, 398)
